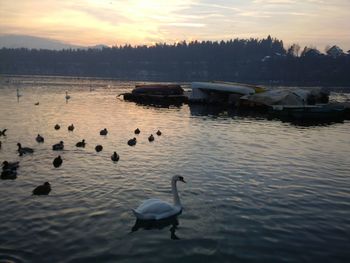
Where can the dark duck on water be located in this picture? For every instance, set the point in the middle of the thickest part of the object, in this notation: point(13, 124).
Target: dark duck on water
point(3, 132)
point(24, 150)
point(80, 144)
point(8, 174)
point(103, 132)
point(98, 148)
point(58, 146)
point(39, 138)
point(43, 189)
point(9, 165)
point(57, 161)
point(115, 157)
point(9, 170)
point(132, 142)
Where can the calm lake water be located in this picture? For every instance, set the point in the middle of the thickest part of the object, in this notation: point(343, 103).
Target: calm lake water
point(257, 190)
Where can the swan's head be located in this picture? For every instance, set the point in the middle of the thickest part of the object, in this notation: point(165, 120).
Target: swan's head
point(19, 145)
point(179, 178)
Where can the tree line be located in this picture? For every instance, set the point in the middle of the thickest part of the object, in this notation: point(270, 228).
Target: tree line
point(243, 60)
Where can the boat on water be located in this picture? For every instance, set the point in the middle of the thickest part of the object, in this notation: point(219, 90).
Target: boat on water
point(218, 92)
point(285, 104)
point(157, 94)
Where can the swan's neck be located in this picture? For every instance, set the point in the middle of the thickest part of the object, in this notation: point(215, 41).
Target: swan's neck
point(175, 193)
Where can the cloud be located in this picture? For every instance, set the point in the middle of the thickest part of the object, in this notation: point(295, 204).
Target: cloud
point(217, 6)
point(274, 1)
point(186, 24)
point(138, 21)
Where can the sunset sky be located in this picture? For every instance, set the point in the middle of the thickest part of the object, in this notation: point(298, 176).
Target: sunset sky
point(315, 23)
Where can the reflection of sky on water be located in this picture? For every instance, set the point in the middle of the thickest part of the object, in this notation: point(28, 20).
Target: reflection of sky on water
point(253, 185)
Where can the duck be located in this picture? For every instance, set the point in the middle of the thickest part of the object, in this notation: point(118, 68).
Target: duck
point(43, 189)
point(98, 148)
point(155, 209)
point(9, 165)
point(137, 131)
point(159, 133)
point(24, 150)
point(3, 132)
point(81, 144)
point(9, 174)
point(103, 132)
point(57, 161)
point(57, 127)
point(71, 127)
point(151, 138)
point(132, 142)
point(39, 138)
point(115, 157)
point(58, 146)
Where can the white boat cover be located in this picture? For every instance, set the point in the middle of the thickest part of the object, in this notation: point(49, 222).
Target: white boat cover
point(201, 90)
point(279, 97)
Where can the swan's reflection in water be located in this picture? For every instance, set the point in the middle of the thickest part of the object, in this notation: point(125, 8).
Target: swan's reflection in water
point(158, 224)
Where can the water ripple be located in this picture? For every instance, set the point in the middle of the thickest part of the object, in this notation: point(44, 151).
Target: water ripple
point(257, 190)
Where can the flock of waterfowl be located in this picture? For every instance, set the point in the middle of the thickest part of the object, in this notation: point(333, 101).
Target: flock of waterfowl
point(151, 209)
point(9, 169)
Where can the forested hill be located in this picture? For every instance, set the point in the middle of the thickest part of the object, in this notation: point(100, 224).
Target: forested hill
point(243, 60)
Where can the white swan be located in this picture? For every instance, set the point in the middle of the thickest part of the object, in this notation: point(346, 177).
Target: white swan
point(155, 209)
point(18, 94)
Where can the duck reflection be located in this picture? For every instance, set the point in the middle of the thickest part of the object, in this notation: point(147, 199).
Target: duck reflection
point(173, 222)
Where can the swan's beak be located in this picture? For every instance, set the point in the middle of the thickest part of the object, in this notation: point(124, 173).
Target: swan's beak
point(183, 180)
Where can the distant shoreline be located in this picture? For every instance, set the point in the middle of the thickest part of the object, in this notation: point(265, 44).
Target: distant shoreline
point(254, 61)
point(181, 82)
